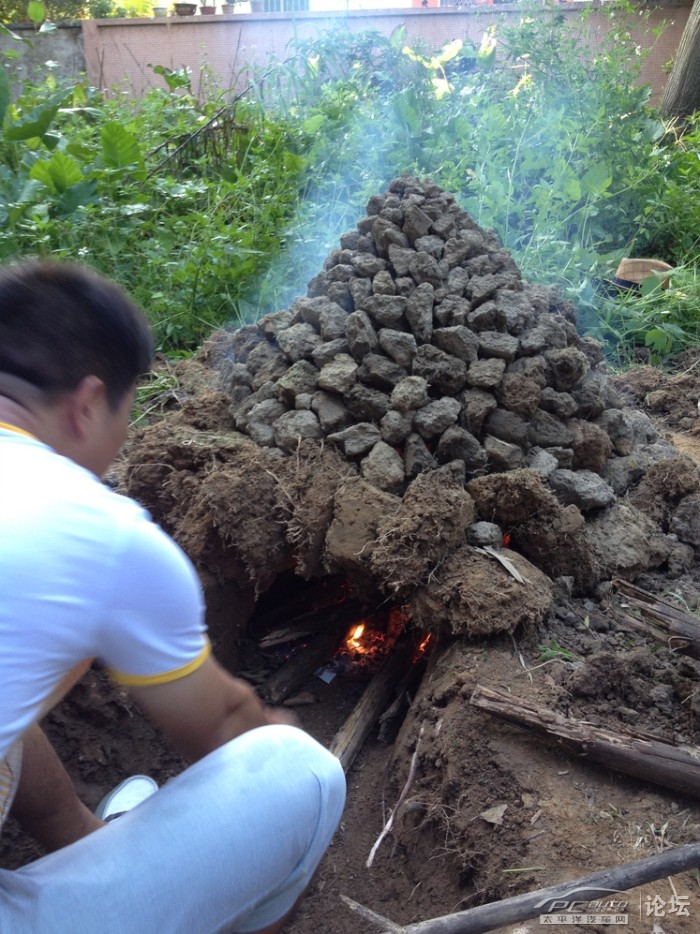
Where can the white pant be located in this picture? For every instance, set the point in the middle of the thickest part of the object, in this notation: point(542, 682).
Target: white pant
point(228, 845)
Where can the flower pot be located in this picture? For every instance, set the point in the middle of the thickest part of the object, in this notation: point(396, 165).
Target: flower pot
point(160, 11)
point(207, 10)
point(228, 7)
point(185, 9)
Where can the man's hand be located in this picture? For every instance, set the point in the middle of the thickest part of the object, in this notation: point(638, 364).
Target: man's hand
point(206, 709)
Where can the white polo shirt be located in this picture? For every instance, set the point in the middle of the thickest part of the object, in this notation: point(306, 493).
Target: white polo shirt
point(84, 574)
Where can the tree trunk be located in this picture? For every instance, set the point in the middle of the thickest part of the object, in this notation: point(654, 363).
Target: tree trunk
point(682, 94)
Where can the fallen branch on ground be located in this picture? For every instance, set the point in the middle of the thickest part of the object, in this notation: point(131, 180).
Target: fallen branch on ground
point(530, 905)
point(659, 619)
point(641, 755)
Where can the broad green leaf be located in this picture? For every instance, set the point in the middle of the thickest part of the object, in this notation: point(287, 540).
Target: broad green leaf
point(486, 56)
point(597, 179)
point(650, 284)
point(120, 150)
point(36, 11)
point(35, 123)
point(77, 196)
point(58, 173)
point(441, 86)
point(398, 37)
point(660, 341)
point(447, 53)
point(31, 190)
point(572, 187)
point(51, 140)
point(313, 124)
point(175, 78)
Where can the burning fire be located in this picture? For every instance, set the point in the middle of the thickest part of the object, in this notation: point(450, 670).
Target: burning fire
point(364, 647)
point(424, 644)
point(354, 639)
point(371, 639)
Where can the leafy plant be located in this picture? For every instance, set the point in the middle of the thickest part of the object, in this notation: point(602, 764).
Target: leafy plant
point(553, 650)
point(659, 321)
point(213, 209)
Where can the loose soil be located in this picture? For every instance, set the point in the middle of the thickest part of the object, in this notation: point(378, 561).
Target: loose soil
point(557, 817)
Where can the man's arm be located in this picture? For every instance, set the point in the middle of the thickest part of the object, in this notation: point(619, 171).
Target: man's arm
point(205, 709)
point(46, 804)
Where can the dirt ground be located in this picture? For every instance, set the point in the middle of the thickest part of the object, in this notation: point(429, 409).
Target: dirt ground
point(490, 811)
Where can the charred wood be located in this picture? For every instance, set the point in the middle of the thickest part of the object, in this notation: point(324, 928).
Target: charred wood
point(301, 666)
point(377, 696)
point(314, 621)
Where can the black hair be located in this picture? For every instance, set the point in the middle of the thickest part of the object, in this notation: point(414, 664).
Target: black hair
point(60, 322)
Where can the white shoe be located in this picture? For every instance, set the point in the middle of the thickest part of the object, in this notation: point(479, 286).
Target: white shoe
point(125, 796)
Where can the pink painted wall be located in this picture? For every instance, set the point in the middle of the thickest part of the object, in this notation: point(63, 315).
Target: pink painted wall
point(118, 52)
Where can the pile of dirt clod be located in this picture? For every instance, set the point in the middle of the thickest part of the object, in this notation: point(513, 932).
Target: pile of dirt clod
point(419, 406)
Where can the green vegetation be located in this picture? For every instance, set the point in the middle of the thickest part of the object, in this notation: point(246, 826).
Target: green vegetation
point(555, 651)
point(17, 11)
point(214, 209)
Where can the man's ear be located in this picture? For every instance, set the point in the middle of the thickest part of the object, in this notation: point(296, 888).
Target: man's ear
point(84, 403)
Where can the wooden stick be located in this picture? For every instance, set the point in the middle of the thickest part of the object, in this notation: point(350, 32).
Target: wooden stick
point(376, 697)
point(641, 755)
point(546, 901)
point(300, 667)
point(370, 915)
point(316, 621)
point(660, 620)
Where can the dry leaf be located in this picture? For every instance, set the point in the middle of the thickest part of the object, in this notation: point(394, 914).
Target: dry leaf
point(495, 814)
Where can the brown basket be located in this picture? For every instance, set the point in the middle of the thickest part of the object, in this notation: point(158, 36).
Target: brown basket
point(635, 271)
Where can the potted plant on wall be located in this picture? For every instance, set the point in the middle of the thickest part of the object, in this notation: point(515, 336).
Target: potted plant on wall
point(207, 9)
point(160, 11)
point(185, 9)
point(228, 7)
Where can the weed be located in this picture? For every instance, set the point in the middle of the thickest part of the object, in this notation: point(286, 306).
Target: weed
point(555, 651)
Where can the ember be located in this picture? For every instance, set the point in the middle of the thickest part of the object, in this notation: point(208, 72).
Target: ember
point(363, 650)
point(368, 643)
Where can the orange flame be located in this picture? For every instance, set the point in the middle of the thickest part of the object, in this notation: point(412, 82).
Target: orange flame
point(424, 644)
point(354, 639)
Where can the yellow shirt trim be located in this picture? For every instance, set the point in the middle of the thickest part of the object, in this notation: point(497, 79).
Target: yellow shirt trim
point(165, 677)
point(16, 430)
